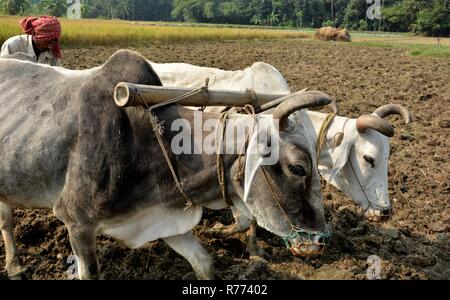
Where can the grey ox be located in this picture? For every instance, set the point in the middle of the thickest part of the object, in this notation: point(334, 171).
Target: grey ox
point(65, 146)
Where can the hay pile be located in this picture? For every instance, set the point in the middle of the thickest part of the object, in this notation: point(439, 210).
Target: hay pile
point(332, 34)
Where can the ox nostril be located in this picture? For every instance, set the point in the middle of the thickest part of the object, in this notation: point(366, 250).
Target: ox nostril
point(386, 211)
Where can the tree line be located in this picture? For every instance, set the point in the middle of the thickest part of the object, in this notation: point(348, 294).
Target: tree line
point(430, 17)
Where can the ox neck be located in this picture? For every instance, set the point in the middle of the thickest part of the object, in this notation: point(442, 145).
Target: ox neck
point(198, 173)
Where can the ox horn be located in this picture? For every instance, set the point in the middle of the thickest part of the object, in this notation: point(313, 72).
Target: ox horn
point(333, 105)
point(394, 109)
point(375, 123)
point(266, 106)
point(297, 102)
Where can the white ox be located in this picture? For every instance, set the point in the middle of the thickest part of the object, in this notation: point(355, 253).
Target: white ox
point(354, 156)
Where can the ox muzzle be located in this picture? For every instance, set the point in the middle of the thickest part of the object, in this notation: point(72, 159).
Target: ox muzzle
point(377, 215)
point(307, 243)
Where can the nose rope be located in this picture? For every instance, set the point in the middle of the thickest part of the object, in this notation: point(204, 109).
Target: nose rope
point(302, 237)
point(298, 236)
point(249, 110)
point(362, 187)
point(357, 178)
point(277, 199)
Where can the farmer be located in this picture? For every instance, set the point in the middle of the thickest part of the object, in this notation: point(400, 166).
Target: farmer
point(40, 43)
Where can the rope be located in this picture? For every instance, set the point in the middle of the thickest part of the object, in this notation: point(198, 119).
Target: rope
point(277, 199)
point(249, 110)
point(323, 134)
point(297, 233)
point(359, 182)
point(158, 129)
point(219, 158)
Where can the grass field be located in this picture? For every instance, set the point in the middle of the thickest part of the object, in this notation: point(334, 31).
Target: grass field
point(415, 45)
point(91, 32)
point(88, 32)
point(427, 50)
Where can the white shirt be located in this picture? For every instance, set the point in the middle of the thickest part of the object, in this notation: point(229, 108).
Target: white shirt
point(23, 43)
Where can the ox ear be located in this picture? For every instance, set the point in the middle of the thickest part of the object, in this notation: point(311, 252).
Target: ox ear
point(341, 153)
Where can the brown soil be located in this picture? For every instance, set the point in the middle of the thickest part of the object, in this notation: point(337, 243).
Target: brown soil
point(413, 244)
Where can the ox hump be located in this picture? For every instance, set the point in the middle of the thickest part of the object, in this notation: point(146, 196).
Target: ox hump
point(130, 66)
point(267, 79)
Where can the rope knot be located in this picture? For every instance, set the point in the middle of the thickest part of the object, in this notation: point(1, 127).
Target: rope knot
point(158, 126)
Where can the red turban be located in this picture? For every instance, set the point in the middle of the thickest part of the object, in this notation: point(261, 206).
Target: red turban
point(44, 29)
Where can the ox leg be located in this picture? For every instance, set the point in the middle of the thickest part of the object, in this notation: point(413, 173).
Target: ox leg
point(83, 242)
point(189, 247)
point(13, 266)
point(253, 249)
point(241, 224)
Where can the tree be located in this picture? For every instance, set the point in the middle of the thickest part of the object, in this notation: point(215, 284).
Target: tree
point(258, 10)
point(332, 12)
point(188, 10)
point(362, 25)
point(15, 7)
point(434, 21)
point(428, 16)
point(328, 23)
point(124, 7)
point(256, 20)
point(211, 11)
point(402, 15)
point(273, 18)
point(112, 5)
point(55, 8)
point(353, 13)
point(299, 14)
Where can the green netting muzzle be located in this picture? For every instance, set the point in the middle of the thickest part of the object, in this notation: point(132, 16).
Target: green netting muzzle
point(307, 243)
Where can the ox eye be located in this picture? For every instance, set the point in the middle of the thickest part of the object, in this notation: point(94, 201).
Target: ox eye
point(297, 170)
point(369, 160)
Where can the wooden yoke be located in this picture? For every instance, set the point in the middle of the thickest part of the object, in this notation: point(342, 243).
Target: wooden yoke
point(129, 94)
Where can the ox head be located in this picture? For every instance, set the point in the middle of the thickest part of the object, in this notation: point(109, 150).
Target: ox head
point(285, 195)
point(362, 157)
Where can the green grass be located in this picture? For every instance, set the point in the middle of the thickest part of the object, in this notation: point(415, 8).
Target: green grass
point(89, 32)
point(412, 49)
